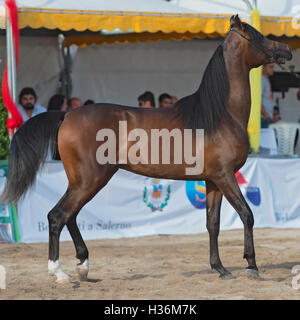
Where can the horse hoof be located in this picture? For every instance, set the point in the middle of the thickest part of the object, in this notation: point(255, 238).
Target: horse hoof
point(54, 269)
point(82, 273)
point(252, 273)
point(63, 281)
point(83, 270)
point(227, 276)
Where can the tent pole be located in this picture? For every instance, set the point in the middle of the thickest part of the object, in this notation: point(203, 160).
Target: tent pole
point(68, 63)
point(11, 61)
point(66, 70)
point(248, 4)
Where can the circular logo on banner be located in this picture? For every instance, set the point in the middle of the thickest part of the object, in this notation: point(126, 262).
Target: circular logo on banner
point(156, 195)
point(196, 193)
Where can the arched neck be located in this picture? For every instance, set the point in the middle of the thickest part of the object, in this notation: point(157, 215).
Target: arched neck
point(239, 101)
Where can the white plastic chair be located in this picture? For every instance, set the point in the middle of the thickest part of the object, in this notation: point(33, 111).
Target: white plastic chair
point(286, 134)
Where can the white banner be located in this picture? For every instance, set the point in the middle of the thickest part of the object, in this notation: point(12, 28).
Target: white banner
point(132, 205)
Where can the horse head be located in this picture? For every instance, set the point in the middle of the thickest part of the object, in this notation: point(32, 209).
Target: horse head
point(258, 49)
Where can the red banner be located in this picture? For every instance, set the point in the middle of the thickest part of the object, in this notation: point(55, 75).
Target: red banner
point(15, 119)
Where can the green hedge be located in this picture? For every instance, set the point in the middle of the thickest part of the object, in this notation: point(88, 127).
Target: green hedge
point(4, 138)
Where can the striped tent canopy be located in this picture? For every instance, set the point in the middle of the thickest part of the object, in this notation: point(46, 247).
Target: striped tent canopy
point(142, 20)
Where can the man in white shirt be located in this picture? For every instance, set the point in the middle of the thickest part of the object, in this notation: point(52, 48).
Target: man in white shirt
point(267, 104)
point(28, 106)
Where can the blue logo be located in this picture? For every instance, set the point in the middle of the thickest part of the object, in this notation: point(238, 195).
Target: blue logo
point(253, 195)
point(196, 193)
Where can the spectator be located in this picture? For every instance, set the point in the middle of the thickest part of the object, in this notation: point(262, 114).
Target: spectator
point(89, 101)
point(74, 103)
point(267, 103)
point(28, 105)
point(58, 102)
point(276, 114)
point(165, 100)
point(298, 94)
point(146, 100)
point(174, 99)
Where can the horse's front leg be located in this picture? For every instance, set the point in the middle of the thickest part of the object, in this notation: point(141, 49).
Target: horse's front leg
point(229, 187)
point(213, 205)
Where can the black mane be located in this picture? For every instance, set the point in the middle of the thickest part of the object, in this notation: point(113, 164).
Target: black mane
point(207, 106)
point(253, 34)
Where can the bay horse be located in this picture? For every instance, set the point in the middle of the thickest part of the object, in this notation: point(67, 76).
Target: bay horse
point(221, 107)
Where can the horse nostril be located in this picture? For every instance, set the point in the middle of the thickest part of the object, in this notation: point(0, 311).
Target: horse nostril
point(283, 52)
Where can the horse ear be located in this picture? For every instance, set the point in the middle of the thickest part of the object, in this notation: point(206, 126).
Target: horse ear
point(231, 21)
point(235, 21)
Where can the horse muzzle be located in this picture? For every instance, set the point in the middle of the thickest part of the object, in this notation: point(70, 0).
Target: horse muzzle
point(282, 53)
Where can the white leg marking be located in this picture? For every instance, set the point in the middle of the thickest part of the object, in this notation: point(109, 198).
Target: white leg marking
point(54, 268)
point(83, 270)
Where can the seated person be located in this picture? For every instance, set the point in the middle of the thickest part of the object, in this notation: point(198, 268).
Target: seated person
point(165, 100)
point(58, 102)
point(146, 100)
point(276, 114)
point(74, 103)
point(28, 105)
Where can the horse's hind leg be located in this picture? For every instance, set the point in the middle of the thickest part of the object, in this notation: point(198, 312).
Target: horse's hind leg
point(230, 188)
point(82, 252)
point(65, 212)
point(56, 218)
point(213, 205)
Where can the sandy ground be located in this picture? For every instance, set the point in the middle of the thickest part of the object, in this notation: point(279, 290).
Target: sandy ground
point(157, 267)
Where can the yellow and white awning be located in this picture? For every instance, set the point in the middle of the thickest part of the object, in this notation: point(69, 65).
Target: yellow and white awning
point(146, 21)
point(278, 17)
point(152, 20)
point(145, 26)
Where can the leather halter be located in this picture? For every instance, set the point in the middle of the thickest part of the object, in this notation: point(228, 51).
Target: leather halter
point(266, 53)
point(256, 46)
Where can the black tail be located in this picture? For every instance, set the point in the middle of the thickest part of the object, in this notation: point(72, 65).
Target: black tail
point(28, 152)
